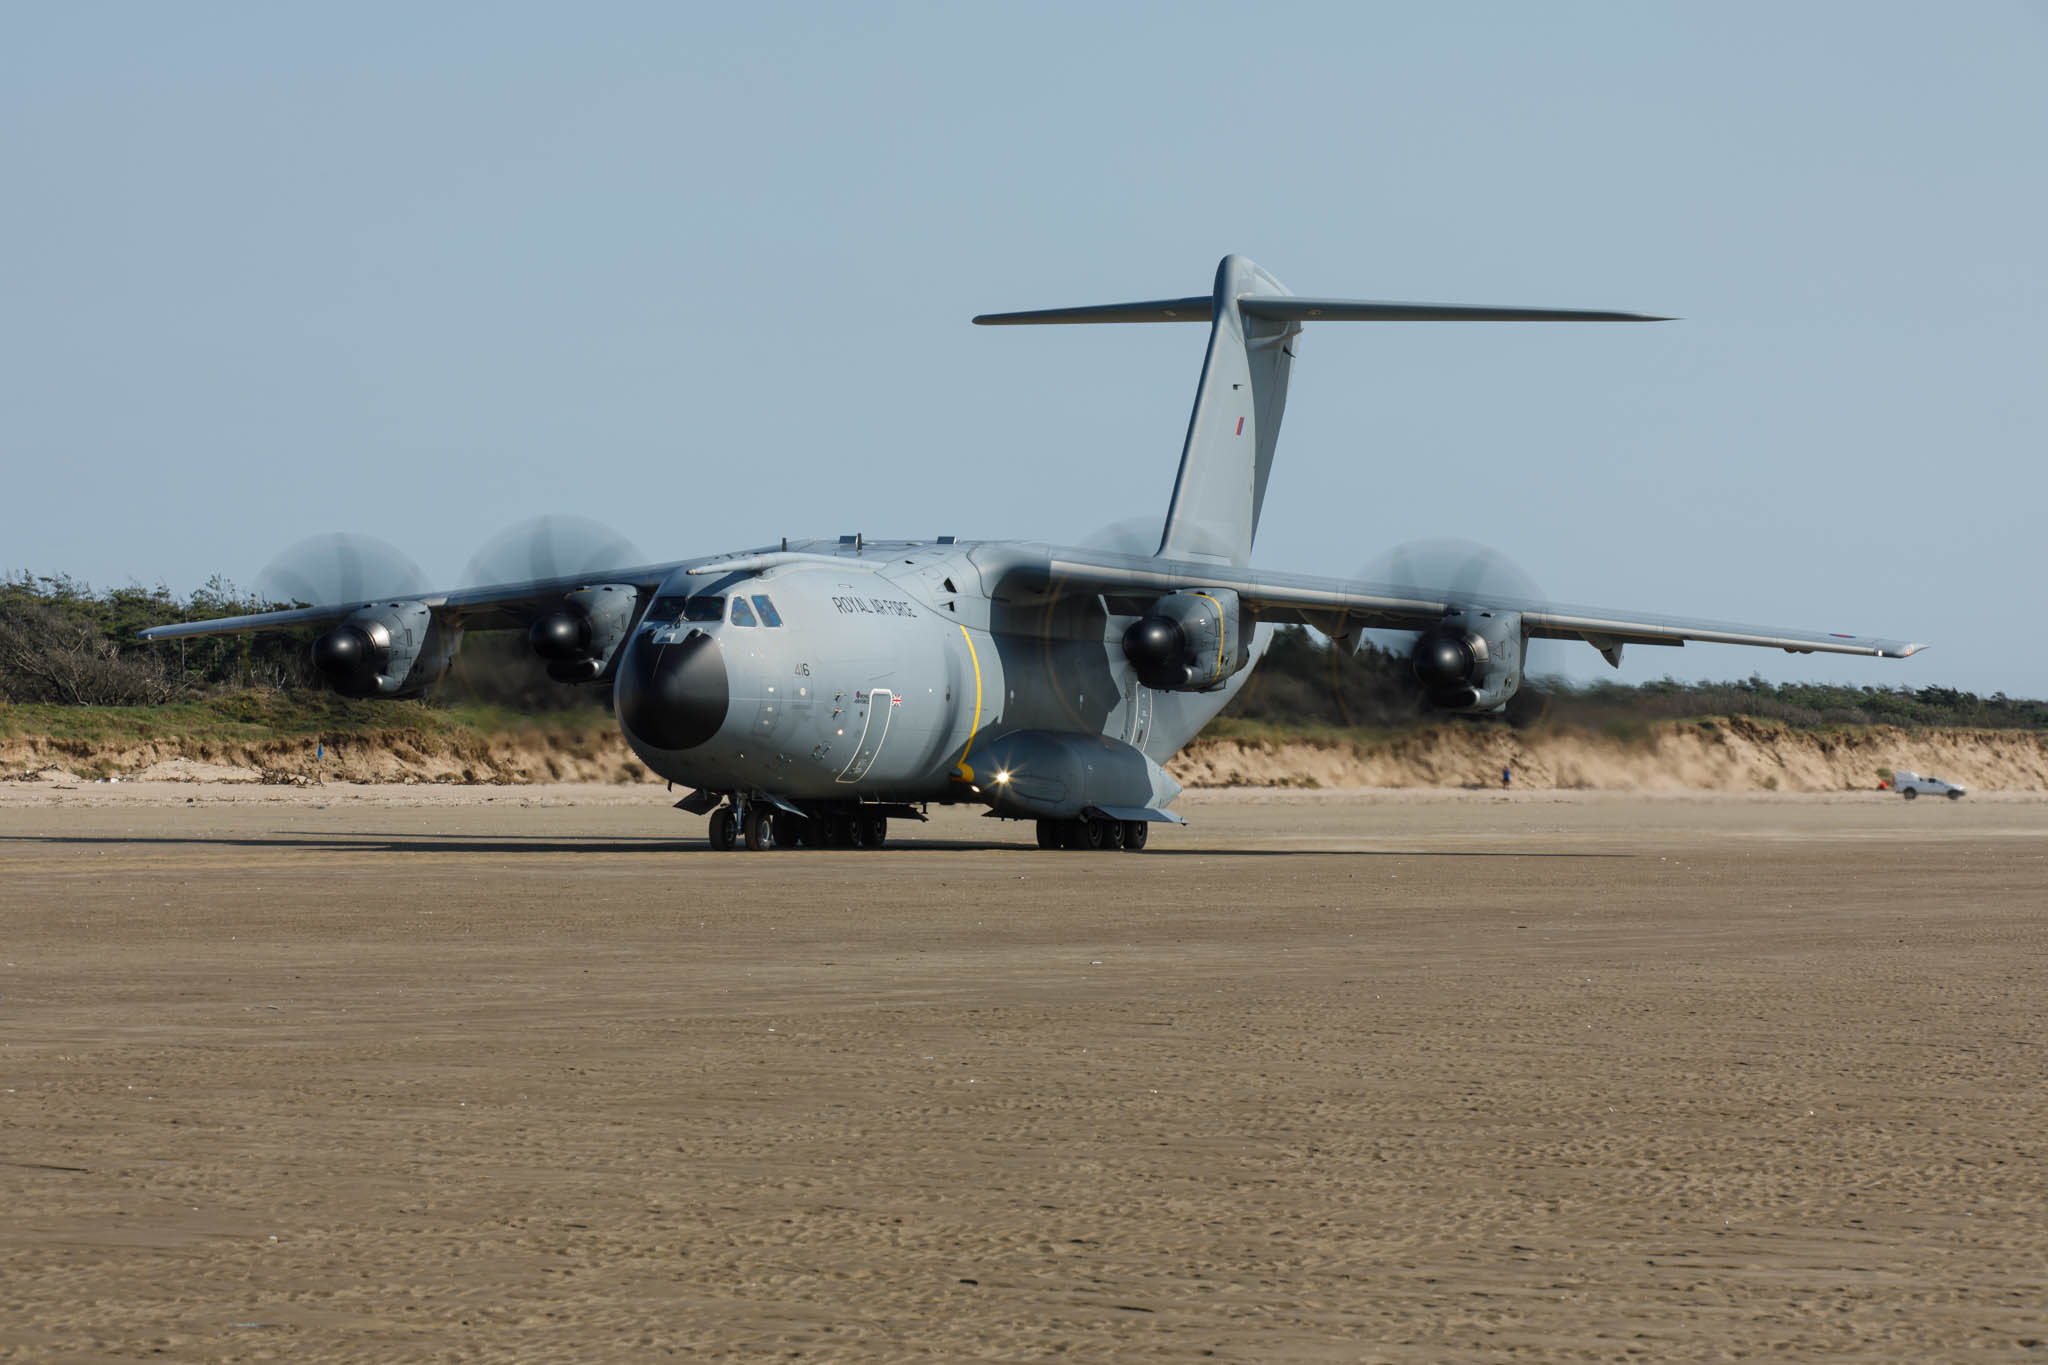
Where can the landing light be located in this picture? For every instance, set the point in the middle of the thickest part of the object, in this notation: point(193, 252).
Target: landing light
point(1002, 778)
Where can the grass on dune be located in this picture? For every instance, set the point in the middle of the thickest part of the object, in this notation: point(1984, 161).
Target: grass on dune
point(256, 716)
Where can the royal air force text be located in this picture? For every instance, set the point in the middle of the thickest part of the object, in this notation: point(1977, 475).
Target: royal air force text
point(872, 606)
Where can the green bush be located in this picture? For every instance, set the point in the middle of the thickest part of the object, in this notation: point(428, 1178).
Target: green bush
point(1306, 682)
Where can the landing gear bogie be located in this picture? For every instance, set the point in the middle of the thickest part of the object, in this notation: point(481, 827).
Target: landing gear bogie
point(1095, 834)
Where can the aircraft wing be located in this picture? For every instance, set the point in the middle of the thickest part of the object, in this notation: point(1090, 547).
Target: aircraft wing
point(498, 606)
point(1340, 607)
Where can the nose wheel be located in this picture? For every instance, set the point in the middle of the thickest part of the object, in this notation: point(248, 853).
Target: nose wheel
point(762, 820)
point(760, 826)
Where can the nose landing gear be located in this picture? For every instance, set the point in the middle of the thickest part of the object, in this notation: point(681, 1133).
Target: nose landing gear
point(761, 825)
point(762, 821)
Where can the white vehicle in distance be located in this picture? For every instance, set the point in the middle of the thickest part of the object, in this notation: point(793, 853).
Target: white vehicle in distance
point(1911, 785)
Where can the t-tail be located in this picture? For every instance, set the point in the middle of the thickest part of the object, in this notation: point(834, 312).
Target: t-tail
point(1253, 322)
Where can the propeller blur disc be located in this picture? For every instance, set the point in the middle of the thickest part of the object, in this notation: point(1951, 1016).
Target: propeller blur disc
point(339, 566)
point(1452, 569)
point(1131, 536)
point(550, 547)
point(1449, 568)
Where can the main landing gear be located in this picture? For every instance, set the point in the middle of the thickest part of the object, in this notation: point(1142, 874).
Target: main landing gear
point(761, 826)
point(1128, 835)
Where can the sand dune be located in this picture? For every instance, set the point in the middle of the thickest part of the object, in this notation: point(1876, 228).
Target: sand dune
point(1737, 755)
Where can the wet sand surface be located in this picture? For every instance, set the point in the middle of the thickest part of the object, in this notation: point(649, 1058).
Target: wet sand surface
point(505, 1074)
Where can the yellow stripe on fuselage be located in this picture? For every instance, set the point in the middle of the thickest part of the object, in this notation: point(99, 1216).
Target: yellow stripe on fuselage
point(1219, 631)
point(966, 773)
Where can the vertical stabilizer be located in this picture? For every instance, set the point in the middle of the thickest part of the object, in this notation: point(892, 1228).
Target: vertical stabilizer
point(1221, 487)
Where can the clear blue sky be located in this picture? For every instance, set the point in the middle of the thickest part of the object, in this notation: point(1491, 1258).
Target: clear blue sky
point(704, 273)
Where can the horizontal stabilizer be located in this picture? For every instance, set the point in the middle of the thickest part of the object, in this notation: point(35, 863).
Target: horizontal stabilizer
point(1196, 309)
point(1290, 308)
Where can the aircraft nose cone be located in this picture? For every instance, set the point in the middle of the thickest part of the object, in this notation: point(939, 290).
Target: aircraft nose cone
point(674, 696)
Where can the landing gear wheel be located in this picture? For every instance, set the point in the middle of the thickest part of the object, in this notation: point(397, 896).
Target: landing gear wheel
point(870, 831)
point(1910, 793)
point(725, 829)
point(1955, 796)
point(838, 831)
point(1135, 834)
point(761, 821)
point(1052, 834)
point(1112, 836)
point(1089, 834)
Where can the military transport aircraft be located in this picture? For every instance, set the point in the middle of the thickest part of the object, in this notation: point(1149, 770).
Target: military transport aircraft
point(808, 692)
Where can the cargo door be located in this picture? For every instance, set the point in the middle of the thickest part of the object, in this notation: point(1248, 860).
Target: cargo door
point(881, 704)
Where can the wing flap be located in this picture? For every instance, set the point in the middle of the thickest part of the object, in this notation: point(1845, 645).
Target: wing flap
point(496, 606)
point(262, 620)
point(1576, 623)
point(1339, 606)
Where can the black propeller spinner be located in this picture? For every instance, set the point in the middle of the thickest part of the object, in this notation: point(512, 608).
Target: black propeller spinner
point(1158, 650)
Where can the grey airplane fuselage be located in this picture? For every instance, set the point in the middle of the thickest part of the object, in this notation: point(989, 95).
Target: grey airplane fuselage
point(890, 669)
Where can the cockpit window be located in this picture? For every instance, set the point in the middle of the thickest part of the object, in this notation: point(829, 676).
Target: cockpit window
point(769, 616)
point(741, 615)
point(704, 609)
point(665, 609)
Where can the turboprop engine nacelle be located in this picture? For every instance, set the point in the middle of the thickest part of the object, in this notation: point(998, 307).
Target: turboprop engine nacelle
point(1191, 640)
point(1051, 775)
point(385, 649)
point(579, 638)
point(1471, 660)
